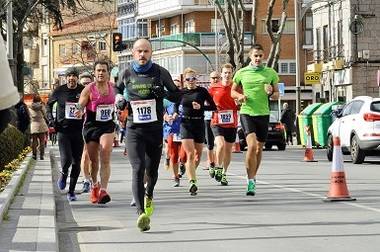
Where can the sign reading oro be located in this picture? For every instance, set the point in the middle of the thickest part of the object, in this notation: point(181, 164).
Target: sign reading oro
point(312, 78)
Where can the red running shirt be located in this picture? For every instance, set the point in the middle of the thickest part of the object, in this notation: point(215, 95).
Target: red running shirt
point(226, 114)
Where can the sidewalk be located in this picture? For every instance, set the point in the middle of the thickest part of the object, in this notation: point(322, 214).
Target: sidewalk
point(30, 225)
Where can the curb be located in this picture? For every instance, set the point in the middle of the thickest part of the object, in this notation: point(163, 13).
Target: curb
point(10, 190)
point(51, 160)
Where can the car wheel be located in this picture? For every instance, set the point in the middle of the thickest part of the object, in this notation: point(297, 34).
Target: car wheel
point(357, 154)
point(281, 147)
point(330, 148)
point(268, 146)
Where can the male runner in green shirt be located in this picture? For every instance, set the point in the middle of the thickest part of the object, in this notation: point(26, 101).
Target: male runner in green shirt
point(259, 84)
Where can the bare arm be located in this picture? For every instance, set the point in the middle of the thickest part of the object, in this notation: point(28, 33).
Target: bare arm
point(236, 95)
point(83, 100)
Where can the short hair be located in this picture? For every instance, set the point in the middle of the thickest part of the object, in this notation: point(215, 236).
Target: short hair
point(228, 65)
point(72, 70)
point(189, 70)
point(257, 47)
point(85, 75)
point(215, 72)
point(36, 98)
point(102, 62)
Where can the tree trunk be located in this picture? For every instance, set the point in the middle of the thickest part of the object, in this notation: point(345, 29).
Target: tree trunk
point(19, 59)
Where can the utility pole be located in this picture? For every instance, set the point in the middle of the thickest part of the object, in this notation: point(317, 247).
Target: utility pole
point(10, 40)
point(297, 54)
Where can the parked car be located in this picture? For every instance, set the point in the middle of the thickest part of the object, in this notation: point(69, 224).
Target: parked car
point(276, 133)
point(358, 126)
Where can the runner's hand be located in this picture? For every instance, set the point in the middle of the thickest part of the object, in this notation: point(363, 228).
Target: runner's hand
point(242, 98)
point(196, 105)
point(269, 89)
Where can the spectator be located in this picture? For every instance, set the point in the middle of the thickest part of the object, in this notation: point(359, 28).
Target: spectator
point(287, 119)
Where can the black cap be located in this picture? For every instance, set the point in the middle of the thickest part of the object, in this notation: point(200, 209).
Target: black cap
point(73, 71)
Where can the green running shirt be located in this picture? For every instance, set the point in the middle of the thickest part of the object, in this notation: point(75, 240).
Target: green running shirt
point(253, 83)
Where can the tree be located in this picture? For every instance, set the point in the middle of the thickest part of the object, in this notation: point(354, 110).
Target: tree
point(31, 12)
point(232, 12)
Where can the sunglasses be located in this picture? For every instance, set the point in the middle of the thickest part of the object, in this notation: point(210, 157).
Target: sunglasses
point(191, 79)
point(214, 78)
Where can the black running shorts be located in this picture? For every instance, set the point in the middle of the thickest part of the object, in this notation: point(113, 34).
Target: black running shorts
point(229, 134)
point(92, 131)
point(255, 124)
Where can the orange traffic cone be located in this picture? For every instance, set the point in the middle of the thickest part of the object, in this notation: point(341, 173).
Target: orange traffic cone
point(236, 146)
point(309, 153)
point(338, 187)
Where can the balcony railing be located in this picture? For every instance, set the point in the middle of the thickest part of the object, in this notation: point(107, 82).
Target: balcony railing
point(199, 39)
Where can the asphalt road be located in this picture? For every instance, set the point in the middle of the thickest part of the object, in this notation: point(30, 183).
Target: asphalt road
point(287, 214)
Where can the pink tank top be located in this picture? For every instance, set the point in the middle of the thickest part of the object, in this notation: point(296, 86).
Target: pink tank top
point(97, 99)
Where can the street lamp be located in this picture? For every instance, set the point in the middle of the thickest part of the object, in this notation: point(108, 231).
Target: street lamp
point(297, 54)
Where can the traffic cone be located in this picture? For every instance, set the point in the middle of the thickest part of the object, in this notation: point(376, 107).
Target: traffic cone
point(236, 146)
point(309, 153)
point(338, 187)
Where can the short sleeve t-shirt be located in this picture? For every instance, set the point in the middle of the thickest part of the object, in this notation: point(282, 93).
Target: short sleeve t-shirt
point(253, 83)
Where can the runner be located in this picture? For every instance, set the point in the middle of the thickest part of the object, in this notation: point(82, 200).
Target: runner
point(68, 128)
point(98, 131)
point(85, 79)
point(142, 83)
point(214, 78)
point(259, 83)
point(192, 107)
point(224, 123)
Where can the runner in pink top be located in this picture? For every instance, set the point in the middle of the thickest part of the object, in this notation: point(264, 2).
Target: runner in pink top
point(98, 129)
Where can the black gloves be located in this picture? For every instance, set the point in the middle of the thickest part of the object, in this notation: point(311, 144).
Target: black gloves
point(159, 92)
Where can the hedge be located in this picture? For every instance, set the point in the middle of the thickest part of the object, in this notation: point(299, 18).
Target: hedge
point(11, 145)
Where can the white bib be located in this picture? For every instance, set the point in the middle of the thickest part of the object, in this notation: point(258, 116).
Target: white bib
point(144, 111)
point(225, 117)
point(208, 115)
point(70, 109)
point(104, 112)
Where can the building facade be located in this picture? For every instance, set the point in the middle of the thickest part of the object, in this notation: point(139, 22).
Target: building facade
point(346, 48)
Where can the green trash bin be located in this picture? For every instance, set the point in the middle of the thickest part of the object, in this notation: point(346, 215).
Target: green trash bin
point(305, 119)
point(322, 120)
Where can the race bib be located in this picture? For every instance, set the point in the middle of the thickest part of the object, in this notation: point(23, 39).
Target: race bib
point(70, 109)
point(177, 138)
point(104, 112)
point(144, 111)
point(225, 117)
point(208, 115)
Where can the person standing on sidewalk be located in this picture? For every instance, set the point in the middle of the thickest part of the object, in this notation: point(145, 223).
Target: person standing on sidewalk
point(224, 123)
point(99, 129)
point(68, 128)
point(214, 78)
point(38, 127)
point(142, 84)
point(85, 79)
point(259, 85)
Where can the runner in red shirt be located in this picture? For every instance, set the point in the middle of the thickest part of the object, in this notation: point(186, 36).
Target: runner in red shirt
point(223, 123)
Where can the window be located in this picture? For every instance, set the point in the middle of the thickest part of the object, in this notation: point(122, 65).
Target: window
point(340, 38)
point(142, 28)
point(308, 30)
point(287, 67)
point(102, 45)
point(218, 26)
point(356, 106)
point(174, 28)
point(289, 27)
point(62, 51)
point(325, 42)
point(189, 26)
point(75, 48)
point(45, 75)
point(127, 27)
point(45, 47)
point(318, 55)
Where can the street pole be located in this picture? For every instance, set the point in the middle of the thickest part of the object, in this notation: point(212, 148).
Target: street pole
point(10, 41)
point(297, 51)
point(216, 37)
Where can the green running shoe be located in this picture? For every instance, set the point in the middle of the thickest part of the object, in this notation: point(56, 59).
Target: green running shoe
point(211, 172)
point(193, 188)
point(148, 205)
point(143, 222)
point(218, 174)
point(251, 190)
point(224, 181)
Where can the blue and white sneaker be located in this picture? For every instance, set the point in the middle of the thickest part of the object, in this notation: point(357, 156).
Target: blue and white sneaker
point(71, 196)
point(61, 183)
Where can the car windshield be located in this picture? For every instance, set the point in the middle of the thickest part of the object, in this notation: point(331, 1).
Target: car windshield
point(375, 106)
point(273, 117)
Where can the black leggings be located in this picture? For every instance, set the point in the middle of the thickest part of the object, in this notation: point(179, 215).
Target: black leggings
point(144, 145)
point(209, 135)
point(70, 149)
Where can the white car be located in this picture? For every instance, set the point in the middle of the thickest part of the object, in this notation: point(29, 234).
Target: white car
point(358, 126)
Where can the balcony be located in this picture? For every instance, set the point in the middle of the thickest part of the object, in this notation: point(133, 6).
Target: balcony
point(199, 39)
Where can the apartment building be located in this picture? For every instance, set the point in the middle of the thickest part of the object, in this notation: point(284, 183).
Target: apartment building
point(346, 48)
point(175, 26)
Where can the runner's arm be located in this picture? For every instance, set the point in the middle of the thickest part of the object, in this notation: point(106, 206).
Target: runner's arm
point(235, 94)
point(211, 104)
point(49, 106)
point(173, 93)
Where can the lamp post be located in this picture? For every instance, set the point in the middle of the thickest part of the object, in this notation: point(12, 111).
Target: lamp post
point(297, 54)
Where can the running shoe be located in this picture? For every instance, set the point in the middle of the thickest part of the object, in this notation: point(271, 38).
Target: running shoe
point(211, 172)
point(182, 169)
point(218, 174)
point(143, 222)
point(251, 189)
point(86, 186)
point(62, 181)
point(104, 197)
point(133, 202)
point(224, 181)
point(193, 188)
point(148, 205)
point(71, 196)
point(94, 194)
point(176, 182)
